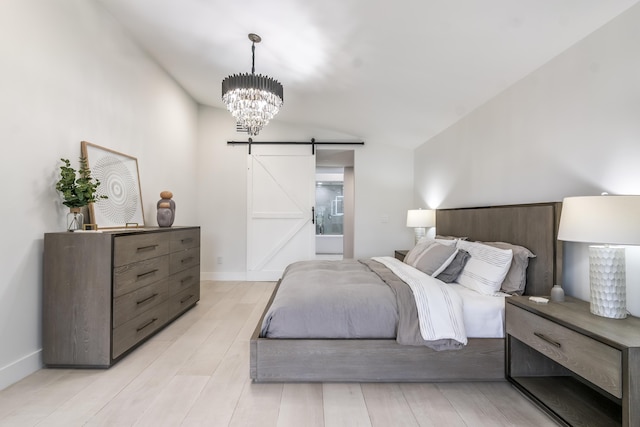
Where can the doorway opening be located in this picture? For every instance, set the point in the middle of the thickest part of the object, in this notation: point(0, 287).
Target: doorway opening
point(334, 204)
point(329, 212)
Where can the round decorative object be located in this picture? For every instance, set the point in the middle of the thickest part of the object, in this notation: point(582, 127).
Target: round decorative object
point(557, 294)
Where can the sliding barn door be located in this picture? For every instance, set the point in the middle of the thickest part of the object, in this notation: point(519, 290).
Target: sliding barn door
point(281, 196)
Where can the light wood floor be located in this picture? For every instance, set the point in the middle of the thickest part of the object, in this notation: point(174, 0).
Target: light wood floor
point(196, 373)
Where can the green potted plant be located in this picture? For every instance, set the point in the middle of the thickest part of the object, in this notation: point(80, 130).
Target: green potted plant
point(78, 189)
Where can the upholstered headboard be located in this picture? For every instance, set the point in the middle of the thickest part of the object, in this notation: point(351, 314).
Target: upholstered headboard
point(534, 226)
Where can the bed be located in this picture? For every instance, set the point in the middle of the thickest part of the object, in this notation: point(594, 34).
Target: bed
point(533, 226)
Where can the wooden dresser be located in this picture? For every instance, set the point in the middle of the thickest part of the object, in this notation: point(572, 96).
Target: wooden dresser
point(580, 368)
point(104, 293)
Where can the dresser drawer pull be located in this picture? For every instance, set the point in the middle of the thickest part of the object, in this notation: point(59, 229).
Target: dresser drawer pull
point(187, 260)
point(547, 339)
point(147, 248)
point(186, 280)
point(150, 322)
point(148, 273)
point(185, 299)
point(187, 240)
point(142, 301)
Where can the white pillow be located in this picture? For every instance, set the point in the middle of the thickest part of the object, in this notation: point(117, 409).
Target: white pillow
point(485, 271)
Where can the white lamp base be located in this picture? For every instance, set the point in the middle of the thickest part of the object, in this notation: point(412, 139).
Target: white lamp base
point(420, 233)
point(607, 274)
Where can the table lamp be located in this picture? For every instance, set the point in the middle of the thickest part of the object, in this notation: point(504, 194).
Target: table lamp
point(605, 220)
point(420, 219)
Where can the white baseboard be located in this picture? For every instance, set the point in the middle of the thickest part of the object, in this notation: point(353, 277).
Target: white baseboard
point(19, 369)
point(230, 276)
point(241, 276)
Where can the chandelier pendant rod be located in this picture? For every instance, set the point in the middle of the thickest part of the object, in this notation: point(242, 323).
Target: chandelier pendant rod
point(253, 58)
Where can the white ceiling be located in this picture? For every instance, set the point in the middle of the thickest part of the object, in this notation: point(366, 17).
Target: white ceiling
point(397, 71)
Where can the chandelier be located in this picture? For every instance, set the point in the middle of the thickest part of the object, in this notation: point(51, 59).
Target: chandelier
point(252, 99)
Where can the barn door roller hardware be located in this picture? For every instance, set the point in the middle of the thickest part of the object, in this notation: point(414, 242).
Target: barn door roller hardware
point(312, 143)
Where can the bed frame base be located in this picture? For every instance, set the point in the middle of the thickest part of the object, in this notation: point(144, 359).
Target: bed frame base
point(293, 360)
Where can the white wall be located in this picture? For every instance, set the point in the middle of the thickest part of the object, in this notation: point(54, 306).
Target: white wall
point(383, 192)
point(570, 128)
point(69, 73)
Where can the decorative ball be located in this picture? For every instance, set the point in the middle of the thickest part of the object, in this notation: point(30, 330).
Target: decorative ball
point(166, 194)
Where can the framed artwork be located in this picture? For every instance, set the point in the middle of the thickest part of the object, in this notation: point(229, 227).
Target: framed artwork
point(120, 182)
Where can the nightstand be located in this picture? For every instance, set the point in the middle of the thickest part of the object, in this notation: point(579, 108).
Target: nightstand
point(580, 368)
point(400, 254)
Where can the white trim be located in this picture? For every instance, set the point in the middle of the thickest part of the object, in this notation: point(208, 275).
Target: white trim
point(224, 275)
point(241, 276)
point(20, 369)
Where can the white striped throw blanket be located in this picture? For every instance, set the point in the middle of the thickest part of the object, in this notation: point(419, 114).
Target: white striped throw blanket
point(439, 307)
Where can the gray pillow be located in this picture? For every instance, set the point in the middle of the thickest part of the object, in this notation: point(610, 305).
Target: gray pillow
point(516, 278)
point(423, 245)
point(435, 258)
point(453, 270)
point(450, 237)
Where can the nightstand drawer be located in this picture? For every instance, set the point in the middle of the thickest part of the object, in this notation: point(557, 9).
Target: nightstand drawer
point(591, 359)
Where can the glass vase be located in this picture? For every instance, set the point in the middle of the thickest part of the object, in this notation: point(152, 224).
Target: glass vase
point(75, 219)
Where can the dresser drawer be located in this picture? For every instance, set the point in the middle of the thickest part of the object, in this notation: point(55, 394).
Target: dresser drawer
point(183, 260)
point(184, 239)
point(138, 328)
point(130, 305)
point(184, 279)
point(591, 359)
point(138, 247)
point(183, 300)
point(128, 278)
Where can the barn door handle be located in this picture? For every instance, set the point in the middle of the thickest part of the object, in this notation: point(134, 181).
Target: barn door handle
point(313, 215)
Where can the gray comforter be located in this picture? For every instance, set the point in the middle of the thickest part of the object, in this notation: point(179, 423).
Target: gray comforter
point(331, 299)
point(345, 299)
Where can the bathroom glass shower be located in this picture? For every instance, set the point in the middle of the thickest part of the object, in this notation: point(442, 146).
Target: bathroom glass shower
point(329, 208)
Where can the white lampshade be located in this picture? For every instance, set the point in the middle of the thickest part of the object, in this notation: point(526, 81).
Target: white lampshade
point(608, 219)
point(421, 218)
